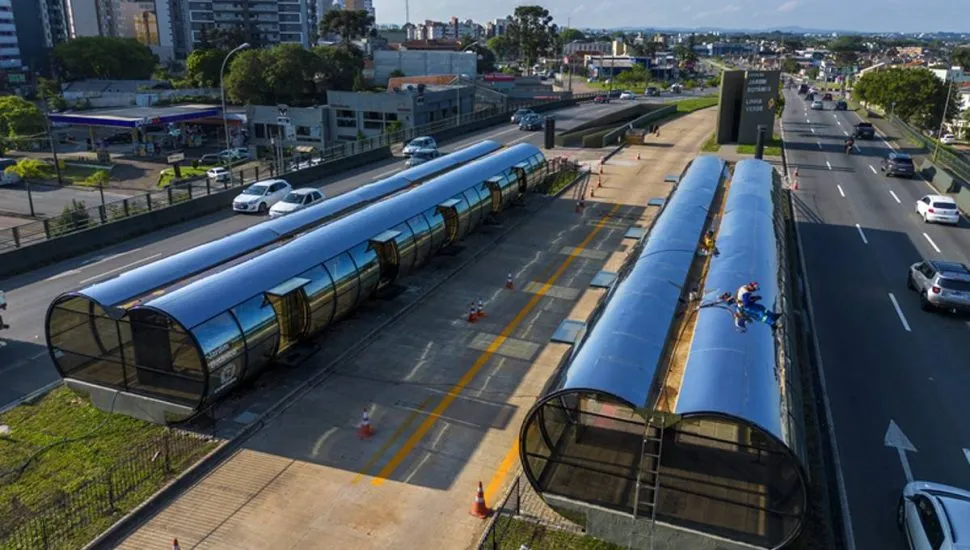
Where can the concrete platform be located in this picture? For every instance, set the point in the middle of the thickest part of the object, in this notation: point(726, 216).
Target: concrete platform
point(446, 396)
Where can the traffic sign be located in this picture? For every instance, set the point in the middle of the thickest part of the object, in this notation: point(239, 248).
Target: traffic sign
point(176, 157)
point(283, 120)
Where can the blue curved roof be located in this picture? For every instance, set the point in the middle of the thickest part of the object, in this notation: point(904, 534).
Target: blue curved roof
point(623, 348)
point(728, 372)
point(210, 296)
point(144, 279)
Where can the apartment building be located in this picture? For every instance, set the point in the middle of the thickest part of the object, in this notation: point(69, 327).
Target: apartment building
point(266, 22)
point(366, 5)
point(10, 60)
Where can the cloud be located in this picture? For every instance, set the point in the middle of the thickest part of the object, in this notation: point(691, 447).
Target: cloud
point(720, 11)
point(788, 6)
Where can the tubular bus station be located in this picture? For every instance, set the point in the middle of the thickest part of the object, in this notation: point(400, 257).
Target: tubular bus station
point(634, 444)
point(164, 341)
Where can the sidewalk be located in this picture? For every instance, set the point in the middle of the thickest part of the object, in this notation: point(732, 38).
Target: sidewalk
point(447, 397)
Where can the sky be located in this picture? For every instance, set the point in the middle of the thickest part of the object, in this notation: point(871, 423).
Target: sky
point(861, 15)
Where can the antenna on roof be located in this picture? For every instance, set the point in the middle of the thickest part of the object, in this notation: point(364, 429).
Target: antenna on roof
point(407, 12)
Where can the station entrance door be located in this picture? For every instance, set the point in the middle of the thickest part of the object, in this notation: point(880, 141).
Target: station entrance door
point(289, 301)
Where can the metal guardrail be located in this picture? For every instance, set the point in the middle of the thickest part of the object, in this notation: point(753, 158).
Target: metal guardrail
point(72, 518)
point(80, 216)
point(500, 525)
point(943, 157)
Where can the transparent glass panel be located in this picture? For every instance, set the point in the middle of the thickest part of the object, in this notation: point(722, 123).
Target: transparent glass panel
point(405, 249)
point(222, 346)
point(77, 346)
point(436, 222)
point(346, 283)
point(475, 204)
point(320, 297)
point(463, 222)
point(258, 321)
point(422, 239)
point(369, 268)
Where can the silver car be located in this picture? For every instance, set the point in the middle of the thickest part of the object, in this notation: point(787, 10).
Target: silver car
point(941, 285)
point(933, 516)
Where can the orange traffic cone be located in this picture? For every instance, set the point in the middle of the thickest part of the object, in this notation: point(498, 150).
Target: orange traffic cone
point(794, 184)
point(592, 192)
point(480, 310)
point(366, 430)
point(508, 282)
point(638, 155)
point(479, 510)
point(599, 181)
point(175, 544)
point(472, 317)
point(601, 167)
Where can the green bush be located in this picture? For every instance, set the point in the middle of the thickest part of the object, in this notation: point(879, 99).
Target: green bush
point(74, 217)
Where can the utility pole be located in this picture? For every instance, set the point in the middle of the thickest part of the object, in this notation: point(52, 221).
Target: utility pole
point(50, 136)
point(946, 106)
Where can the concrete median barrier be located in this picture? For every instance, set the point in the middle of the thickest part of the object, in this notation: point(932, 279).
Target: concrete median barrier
point(940, 178)
point(27, 258)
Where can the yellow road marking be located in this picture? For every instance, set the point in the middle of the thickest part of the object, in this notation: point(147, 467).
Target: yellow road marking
point(495, 484)
point(470, 374)
point(397, 433)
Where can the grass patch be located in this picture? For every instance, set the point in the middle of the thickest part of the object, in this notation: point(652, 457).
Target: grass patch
point(695, 104)
point(711, 145)
point(87, 450)
point(168, 174)
point(77, 175)
point(772, 148)
point(560, 181)
point(516, 532)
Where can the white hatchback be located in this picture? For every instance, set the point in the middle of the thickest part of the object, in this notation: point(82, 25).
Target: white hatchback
point(298, 199)
point(938, 208)
point(260, 196)
point(628, 95)
point(933, 516)
point(948, 139)
point(418, 144)
point(218, 174)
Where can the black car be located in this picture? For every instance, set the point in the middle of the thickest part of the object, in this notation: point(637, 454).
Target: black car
point(898, 164)
point(803, 89)
point(841, 105)
point(864, 130)
point(827, 97)
point(615, 94)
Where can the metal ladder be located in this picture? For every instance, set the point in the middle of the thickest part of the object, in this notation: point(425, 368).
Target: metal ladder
point(648, 474)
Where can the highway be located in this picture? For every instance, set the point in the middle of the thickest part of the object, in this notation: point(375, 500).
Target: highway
point(884, 360)
point(24, 363)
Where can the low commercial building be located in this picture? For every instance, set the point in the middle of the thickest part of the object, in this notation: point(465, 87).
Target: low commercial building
point(302, 126)
point(369, 114)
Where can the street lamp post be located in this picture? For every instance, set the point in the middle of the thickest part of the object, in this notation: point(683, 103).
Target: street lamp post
point(946, 105)
point(222, 89)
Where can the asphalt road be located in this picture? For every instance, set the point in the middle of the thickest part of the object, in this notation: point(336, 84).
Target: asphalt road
point(50, 200)
point(24, 363)
point(883, 358)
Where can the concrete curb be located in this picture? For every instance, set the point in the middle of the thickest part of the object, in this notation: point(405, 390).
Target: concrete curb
point(31, 396)
point(144, 511)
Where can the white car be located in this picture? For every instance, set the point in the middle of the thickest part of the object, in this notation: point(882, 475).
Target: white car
point(948, 139)
point(938, 208)
point(236, 153)
point(419, 143)
point(298, 199)
point(933, 516)
point(261, 196)
point(218, 174)
point(421, 156)
point(628, 95)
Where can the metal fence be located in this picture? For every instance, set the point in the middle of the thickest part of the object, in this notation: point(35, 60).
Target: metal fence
point(75, 516)
point(80, 216)
point(944, 156)
point(523, 518)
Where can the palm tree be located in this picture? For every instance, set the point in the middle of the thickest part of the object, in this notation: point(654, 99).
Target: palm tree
point(349, 24)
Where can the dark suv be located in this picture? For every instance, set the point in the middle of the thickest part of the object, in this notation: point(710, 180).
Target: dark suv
point(941, 285)
point(865, 130)
point(841, 105)
point(898, 164)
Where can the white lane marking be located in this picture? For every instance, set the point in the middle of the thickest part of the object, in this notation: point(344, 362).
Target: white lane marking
point(808, 120)
point(874, 171)
point(839, 122)
point(829, 164)
point(813, 130)
point(388, 173)
point(861, 234)
point(841, 192)
point(933, 244)
point(523, 138)
point(819, 142)
point(101, 259)
point(844, 132)
point(126, 266)
point(62, 275)
point(895, 197)
point(899, 312)
point(966, 454)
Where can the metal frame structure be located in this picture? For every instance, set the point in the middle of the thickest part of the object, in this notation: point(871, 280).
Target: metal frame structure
point(183, 346)
point(727, 461)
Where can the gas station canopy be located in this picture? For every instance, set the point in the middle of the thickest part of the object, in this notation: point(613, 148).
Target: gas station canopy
point(137, 117)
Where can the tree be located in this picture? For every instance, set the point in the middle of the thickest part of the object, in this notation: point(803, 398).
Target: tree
point(338, 67)
point(532, 29)
point(349, 24)
point(847, 49)
point(684, 55)
point(791, 44)
point(502, 47)
point(571, 35)
point(105, 58)
point(914, 95)
point(961, 58)
point(202, 67)
point(812, 73)
point(359, 84)
point(30, 169)
point(790, 66)
point(396, 73)
point(486, 59)
point(290, 73)
point(244, 81)
point(19, 117)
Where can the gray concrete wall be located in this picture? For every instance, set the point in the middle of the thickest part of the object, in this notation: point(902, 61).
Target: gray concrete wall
point(31, 257)
point(420, 63)
point(942, 179)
